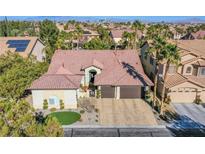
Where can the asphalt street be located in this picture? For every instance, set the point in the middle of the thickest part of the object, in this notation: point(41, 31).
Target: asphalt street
point(116, 132)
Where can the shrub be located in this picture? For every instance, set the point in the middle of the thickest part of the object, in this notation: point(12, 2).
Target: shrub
point(96, 110)
point(53, 109)
point(147, 94)
point(168, 100)
point(198, 99)
point(82, 111)
point(62, 104)
point(98, 93)
point(45, 104)
point(85, 88)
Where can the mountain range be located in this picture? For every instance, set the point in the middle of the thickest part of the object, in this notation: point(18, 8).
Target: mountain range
point(147, 19)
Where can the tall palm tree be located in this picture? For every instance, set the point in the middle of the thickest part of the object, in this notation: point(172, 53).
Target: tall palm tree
point(137, 26)
point(161, 30)
point(128, 40)
point(78, 33)
point(171, 55)
point(155, 50)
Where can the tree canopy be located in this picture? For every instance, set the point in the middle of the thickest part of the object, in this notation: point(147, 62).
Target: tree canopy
point(49, 35)
point(17, 74)
point(19, 119)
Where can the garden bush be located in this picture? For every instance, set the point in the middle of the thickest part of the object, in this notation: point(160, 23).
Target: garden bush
point(98, 93)
point(62, 104)
point(45, 104)
point(198, 99)
point(53, 109)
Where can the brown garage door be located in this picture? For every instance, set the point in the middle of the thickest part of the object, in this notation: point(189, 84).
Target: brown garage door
point(107, 91)
point(131, 92)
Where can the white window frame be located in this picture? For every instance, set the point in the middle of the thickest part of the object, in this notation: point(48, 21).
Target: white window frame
point(200, 71)
point(55, 99)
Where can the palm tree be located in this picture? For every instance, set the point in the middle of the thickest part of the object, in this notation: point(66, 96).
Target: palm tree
point(161, 30)
point(78, 33)
point(171, 55)
point(137, 26)
point(156, 48)
point(129, 40)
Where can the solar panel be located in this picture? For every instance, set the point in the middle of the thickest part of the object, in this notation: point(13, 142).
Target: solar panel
point(20, 45)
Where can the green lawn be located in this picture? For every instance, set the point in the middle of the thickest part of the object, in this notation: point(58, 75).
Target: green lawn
point(66, 117)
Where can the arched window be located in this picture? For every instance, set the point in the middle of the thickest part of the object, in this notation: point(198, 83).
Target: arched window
point(53, 100)
point(188, 69)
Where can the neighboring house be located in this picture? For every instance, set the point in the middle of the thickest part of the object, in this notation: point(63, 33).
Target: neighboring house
point(187, 81)
point(192, 36)
point(96, 73)
point(24, 46)
point(117, 34)
point(177, 35)
point(86, 37)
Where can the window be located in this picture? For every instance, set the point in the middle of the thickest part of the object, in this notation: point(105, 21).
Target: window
point(151, 60)
point(145, 56)
point(188, 70)
point(202, 71)
point(172, 69)
point(53, 100)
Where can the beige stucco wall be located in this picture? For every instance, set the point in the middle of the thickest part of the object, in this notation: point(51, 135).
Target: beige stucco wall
point(69, 98)
point(202, 95)
point(117, 40)
point(187, 57)
point(117, 92)
point(38, 51)
point(148, 68)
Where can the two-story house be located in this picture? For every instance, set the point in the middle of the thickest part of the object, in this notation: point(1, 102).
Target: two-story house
point(185, 82)
point(192, 36)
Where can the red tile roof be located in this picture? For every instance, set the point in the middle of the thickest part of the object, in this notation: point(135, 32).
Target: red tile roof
point(118, 33)
point(56, 81)
point(177, 79)
point(117, 68)
point(199, 35)
point(94, 63)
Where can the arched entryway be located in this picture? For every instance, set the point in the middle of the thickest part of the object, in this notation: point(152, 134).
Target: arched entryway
point(92, 74)
point(92, 87)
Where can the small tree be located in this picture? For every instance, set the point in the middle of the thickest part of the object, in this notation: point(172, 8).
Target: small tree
point(19, 119)
point(147, 94)
point(168, 100)
point(45, 104)
point(98, 93)
point(198, 99)
point(51, 127)
point(62, 104)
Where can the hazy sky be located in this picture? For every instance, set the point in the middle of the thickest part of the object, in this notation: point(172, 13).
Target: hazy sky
point(110, 18)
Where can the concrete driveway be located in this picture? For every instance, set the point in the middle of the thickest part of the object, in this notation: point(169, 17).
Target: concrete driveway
point(191, 115)
point(125, 112)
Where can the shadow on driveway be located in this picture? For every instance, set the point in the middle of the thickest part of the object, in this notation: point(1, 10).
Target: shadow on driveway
point(187, 123)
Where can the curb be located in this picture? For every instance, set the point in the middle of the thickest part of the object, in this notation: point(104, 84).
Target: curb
point(120, 126)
